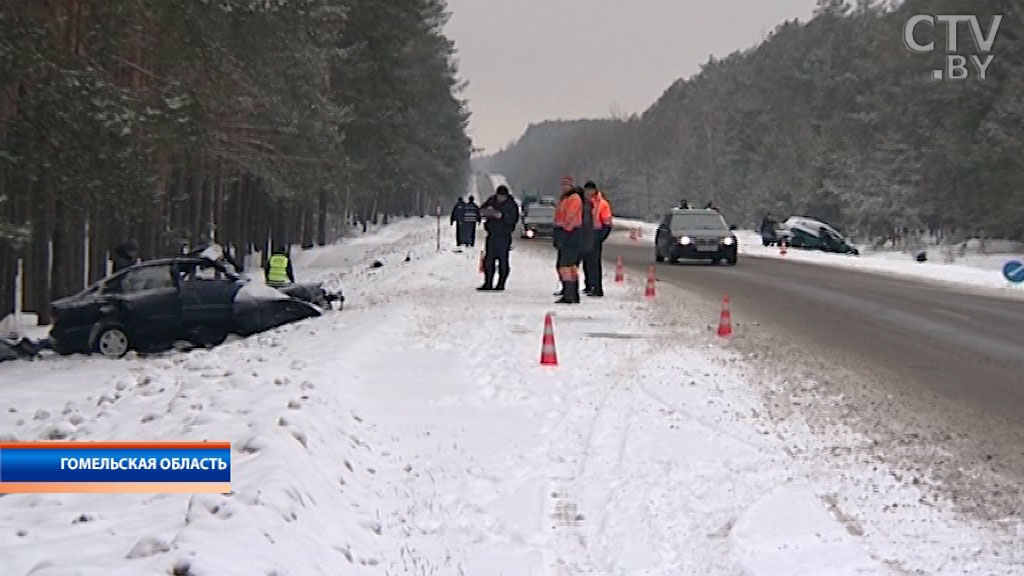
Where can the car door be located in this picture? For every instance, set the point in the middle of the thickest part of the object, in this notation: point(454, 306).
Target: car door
point(149, 302)
point(207, 295)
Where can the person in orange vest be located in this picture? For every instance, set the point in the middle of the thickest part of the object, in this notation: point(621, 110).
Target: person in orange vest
point(602, 216)
point(568, 185)
point(573, 236)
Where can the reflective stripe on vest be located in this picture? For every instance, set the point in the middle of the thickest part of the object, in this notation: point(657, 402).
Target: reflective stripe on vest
point(278, 273)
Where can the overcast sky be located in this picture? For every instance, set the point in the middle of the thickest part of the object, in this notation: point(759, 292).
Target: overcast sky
point(532, 60)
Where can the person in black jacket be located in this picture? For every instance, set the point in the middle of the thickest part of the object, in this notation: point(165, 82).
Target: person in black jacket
point(502, 215)
point(470, 219)
point(768, 234)
point(126, 255)
point(457, 211)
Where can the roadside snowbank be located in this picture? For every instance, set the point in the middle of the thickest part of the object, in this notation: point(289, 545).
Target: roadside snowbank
point(415, 433)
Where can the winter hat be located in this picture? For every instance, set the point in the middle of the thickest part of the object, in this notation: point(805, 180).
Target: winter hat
point(502, 190)
point(590, 184)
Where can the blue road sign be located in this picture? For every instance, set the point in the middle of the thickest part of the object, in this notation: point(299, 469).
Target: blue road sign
point(1014, 271)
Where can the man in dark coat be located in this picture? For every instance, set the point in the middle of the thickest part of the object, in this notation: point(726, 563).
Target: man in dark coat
point(457, 211)
point(601, 216)
point(768, 234)
point(126, 255)
point(470, 219)
point(502, 215)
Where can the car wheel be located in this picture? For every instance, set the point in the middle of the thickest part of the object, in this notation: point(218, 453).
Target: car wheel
point(111, 341)
point(731, 261)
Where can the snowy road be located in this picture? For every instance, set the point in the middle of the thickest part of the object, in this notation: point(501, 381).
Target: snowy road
point(415, 433)
point(915, 363)
point(938, 337)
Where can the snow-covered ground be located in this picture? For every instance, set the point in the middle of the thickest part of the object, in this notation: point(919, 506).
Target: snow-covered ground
point(972, 270)
point(416, 433)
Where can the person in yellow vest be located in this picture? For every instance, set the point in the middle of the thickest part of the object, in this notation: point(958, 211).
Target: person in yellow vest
point(279, 269)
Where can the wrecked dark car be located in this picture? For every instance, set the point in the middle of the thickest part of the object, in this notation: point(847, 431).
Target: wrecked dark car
point(811, 234)
point(152, 305)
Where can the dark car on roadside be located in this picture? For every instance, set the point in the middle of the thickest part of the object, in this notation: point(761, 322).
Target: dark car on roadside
point(690, 234)
point(152, 305)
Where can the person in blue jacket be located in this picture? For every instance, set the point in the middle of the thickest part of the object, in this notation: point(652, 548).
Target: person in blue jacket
point(470, 220)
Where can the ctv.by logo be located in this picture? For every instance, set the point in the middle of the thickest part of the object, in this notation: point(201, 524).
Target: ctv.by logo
point(956, 64)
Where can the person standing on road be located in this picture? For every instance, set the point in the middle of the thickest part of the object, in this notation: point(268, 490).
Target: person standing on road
point(568, 185)
point(457, 211)
point(502, 215)
point(768, 234)
point(470, 220)
point(601, 212)
point(574, 237)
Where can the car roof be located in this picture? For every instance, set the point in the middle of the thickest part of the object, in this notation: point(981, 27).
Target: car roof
point(173, 260)
point(811, 224)
point(695, 211)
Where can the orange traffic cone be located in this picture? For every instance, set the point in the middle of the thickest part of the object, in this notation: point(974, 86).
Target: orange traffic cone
point(548, 356)
point(619, 276)
point(482, 263)
point(782, 247)
point(725, 319)
point(649, 293)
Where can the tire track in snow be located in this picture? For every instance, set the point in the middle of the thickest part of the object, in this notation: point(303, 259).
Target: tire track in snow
point(589, 489)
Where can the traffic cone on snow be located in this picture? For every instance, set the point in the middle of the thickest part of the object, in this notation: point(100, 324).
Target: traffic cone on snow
point(649, 293)
point(725, 319)
point(548, 356)
point(782, 247)
point(619, 276)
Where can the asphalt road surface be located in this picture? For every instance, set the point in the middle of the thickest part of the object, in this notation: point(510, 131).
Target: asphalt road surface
point(931, 375)
point(947, 341)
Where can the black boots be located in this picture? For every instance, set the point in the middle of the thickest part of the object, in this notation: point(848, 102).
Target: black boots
point(570, 293)
point(489, 286)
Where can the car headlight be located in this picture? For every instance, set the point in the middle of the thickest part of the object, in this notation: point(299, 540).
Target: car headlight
point(529, 233)
point(729, 241)
point(685, 241)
